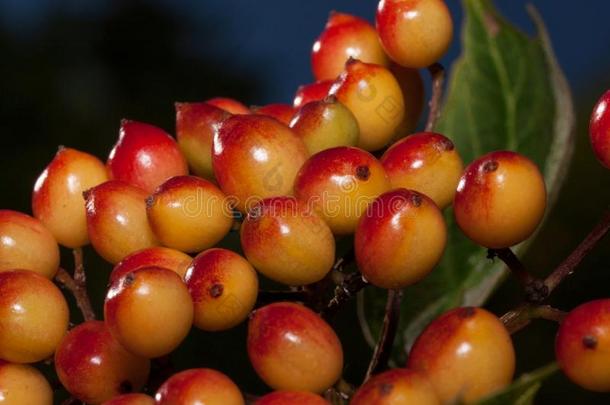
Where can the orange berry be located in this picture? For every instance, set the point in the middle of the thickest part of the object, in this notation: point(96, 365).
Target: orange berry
point(131, 399)
point(396, 387)
point(291, 398)
point(23, 385)
point(199, 386)
point(157, 256)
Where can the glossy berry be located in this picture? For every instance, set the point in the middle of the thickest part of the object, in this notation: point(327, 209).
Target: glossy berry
point(157, 256)
point(400, 239)
point(25, 243)
point(500, 199)
point(57, 200)
point(145, 156)
point(291, 398)
point(149, 311)
point(399, 386)
point(23, 385)
point(373, 94)
point(287, 241)
point(116, 220)
point(229, 105)
point(582, 345)
point(255, 157)
point(345, 36)
point(195, 127)
point(599, 129)
point(466, 354)
point(426, 162)
point(311, 92)
point(414, 33)
point(33, 316)
point(189, 213)
point(412, 87)
point(281, 112)
point(325, 124)
point(223, 286)
point(94, 367)
point(339, 183)
point(131, 399)
point(292, 348)
point(199, 386)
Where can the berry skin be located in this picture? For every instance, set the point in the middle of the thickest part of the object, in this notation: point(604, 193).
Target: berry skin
point(224, 288)
point(291, 398)
point(287, 241)
point(94, 367)
point(131, 399)
point(500, 199)
point(582, 343)
point(400, 239)
point(426, 162)
point(195, 127)
point(255, 157)
point(149, 311)
point(339, 183)
point(396, 387)
point(188, 213)
point(412, 87)
point(25, 243)
point(116, 220)
point(311, 92)
point(157, 256)
point(466, 354)
point(414, 33)
point(57, 200)
point(325, 124)
point(599, 129)
point(292, 348)
point(373, 94)
point(199, 386)
point(281, 112)
point(33, 316)
point(23, 385)
point(345, 36)
point(229, 105)
point(145, 156)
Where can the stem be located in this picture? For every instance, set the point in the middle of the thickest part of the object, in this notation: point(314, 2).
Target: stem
point(535, 289)
point(77, 285)
point(437, 73)
point(352, 283)
point(521, 316)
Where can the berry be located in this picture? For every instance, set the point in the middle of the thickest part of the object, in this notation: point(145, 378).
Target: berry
point(325, 124)
point(466, 354)
point(339, 183)
point(157, 256)
point(599, 130)
point(224, 288)
point(287, 241)
point(345, 36)
point(281, 112)
point(291, 398)
point(426, 162)
point(412, 87)
point(149, 311)
point(373, 94)
point(57, 200)
point(400, 239)
point(116, 220)
point(33, 316)
point(23, 385)
point(94, 367)
point(25, 243)
point(396, 387)
point(292, 348)
point(229, 105)
point(189, 214)
point(131, 399)
point(311, 92)
point(256, 156)
point(145, 156)
point(199, 386)
point(500, 199)
point(414, 33)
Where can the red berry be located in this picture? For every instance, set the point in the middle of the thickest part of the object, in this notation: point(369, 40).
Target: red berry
point(311, 92)
point(281, 112)
point(291, 398)
point(199, 386)
point(131, 399)
point(399, 386)
point(599, 129)
point(157, 256)
point(229, 105)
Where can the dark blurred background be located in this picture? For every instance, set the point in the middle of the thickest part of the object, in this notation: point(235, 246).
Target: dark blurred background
point(70, 70)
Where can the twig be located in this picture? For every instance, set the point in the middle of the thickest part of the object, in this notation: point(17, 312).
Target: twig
point(437, 73)
point(352, 283)
point(535, 289)
point(77, 285)
point(521, 316)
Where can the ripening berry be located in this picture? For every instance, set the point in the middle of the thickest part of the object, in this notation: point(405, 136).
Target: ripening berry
point(23, 385)
point(291, 398)
point(414, 33)
point(599, 129)
point(339, 183)
point(26, 244)
point(145, 156)
point(345, 36)
point(33, 316)
point(311, 92)
point(57, 200)
point(398, 386)
point(400, 239)
point(149, 311)
point(229, 105)
point(412, 87)
point(116, 220)
point(157, 256)
point(199, 386)
point(426, 162)
point(466, 353)
point(325, 124)
point(500, 199)
point(94, 367)
point(373, 94)
point(287, 241)
point(224, 288)
point(292, 348)
point(131, 399)
point(189, 213)
point(281, 112)
point(582, 346)
point(255, 157)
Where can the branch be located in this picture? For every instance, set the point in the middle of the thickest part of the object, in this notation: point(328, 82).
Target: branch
point(352, 283)
point(77, 285)
point(521, 316)
point(437, 73)
point(535, 289)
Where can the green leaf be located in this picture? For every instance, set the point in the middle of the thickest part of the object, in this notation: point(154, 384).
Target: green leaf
point(506, 91)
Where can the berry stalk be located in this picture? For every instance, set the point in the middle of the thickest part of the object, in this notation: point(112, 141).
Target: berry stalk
point(437, 73)
point(77, 285)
